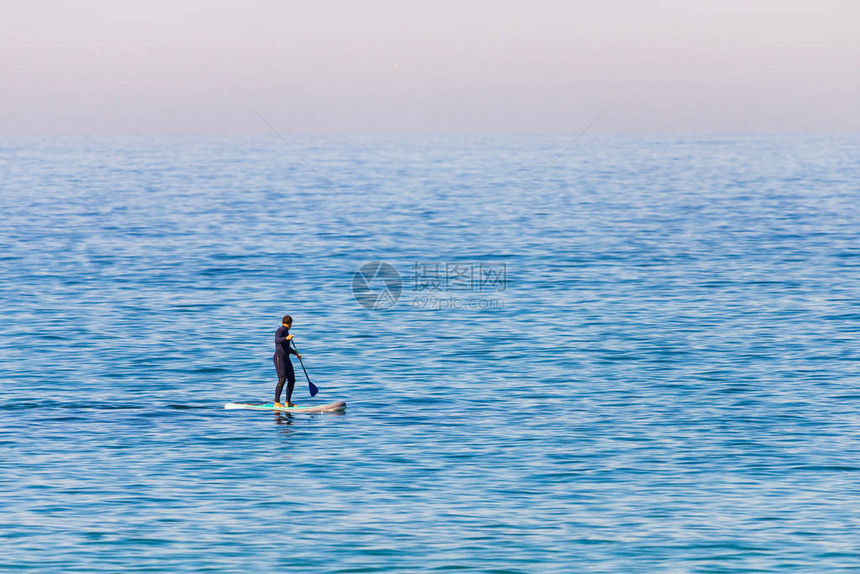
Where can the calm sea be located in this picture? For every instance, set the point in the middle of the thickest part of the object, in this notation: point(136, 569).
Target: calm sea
point(640, 356)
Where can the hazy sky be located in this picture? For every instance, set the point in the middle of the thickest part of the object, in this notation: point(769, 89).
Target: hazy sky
point(324, 66)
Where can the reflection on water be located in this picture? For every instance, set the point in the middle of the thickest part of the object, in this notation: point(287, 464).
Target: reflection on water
point(283, 418)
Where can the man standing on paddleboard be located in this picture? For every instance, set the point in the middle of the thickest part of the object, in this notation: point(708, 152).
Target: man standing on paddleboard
point(282, 361)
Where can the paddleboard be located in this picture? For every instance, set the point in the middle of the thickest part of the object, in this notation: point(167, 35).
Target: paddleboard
point(329, 408)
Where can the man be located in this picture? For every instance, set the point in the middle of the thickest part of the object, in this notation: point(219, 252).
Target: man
point(282, 361)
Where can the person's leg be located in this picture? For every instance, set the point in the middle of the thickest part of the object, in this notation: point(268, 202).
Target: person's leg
point(291, 381)
point(278, 391)
point(282, 377)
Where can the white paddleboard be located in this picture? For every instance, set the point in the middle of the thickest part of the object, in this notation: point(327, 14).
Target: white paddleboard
point(329, 408)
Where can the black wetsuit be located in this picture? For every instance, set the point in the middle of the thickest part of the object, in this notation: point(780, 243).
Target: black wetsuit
point(283, 364)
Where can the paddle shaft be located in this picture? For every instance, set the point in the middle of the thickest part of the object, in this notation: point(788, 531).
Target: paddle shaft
point(312, 388)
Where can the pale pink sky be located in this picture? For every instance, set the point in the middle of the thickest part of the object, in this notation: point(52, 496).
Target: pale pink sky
point(437, 66)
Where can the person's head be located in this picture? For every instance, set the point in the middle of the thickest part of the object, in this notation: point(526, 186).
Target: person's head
point(287, 321)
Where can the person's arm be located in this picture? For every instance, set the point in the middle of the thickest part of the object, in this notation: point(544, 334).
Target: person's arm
point(280, 338)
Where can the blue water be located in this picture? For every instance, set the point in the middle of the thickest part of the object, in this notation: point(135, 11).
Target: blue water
point(665, 377)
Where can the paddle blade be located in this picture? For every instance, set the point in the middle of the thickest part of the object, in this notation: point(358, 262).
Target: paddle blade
point(312, 388)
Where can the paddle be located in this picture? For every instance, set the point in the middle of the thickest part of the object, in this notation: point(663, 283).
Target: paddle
point(312, 388)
